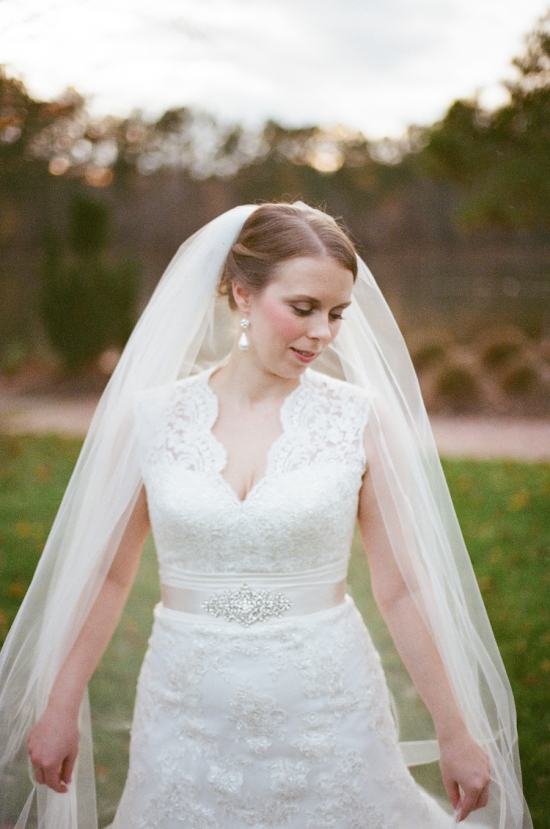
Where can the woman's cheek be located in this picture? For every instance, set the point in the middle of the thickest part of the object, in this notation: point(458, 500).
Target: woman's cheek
point(283, 322)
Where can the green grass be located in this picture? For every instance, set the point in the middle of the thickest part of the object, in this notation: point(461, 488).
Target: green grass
point(33, 476)
point(504, 509)
point(504, 512)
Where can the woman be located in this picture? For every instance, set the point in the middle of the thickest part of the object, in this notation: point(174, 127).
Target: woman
point(261, 700)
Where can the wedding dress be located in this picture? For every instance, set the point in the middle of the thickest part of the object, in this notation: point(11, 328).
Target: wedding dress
point(261, 702)
point(255, 708)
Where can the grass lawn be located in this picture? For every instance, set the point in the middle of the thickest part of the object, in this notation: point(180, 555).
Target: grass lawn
point(504, 512)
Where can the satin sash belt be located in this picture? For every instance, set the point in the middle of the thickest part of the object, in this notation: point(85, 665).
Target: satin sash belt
point(251, 600)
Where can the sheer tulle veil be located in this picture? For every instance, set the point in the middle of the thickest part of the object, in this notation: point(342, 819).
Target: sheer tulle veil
point(181, 331)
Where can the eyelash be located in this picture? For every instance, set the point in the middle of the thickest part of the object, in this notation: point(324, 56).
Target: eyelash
point(303, 313)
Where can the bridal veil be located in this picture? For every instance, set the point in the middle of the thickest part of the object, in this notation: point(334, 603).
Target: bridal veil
point(181, 331)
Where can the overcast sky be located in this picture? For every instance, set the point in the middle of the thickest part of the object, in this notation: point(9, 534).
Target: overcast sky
point(373, 65)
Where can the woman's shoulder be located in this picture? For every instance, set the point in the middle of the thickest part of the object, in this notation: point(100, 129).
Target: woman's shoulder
point(334, 401)
point(336, 413)
point(155, 401)
point(335, 388)
point(179, 386)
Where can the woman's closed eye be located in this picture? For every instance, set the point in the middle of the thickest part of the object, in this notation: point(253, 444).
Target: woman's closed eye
point(305, 312)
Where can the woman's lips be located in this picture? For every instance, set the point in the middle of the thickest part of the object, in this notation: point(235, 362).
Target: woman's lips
point(304, 356)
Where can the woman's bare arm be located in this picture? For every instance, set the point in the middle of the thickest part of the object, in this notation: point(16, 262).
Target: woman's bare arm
point(53, 740)
point(464, 765)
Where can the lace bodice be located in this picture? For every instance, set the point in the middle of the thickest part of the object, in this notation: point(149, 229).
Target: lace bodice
point(300, 515)
point(286, 723)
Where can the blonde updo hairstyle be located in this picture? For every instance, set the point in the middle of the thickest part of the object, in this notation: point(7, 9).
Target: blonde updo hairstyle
point(275, 233)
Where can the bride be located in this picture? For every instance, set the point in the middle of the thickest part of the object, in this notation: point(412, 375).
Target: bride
point(261, 701)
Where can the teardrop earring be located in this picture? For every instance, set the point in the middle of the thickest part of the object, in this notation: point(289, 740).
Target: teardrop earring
point(243, 339)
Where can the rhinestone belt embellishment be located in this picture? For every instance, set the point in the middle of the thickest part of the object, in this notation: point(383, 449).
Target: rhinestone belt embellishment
point(247, 606)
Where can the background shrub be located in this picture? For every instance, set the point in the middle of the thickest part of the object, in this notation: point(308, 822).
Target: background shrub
point(88, 304)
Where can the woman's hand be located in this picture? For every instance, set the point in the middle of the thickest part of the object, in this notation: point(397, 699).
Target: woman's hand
point(53, 740)
point(466, 773)
point(53, 748)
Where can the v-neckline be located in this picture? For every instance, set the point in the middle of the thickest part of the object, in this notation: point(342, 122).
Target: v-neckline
point(222, 449)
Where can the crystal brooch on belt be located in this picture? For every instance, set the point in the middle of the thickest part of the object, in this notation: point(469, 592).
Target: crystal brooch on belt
point(247, 606)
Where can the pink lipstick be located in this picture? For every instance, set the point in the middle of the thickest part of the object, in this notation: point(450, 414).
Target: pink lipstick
point(304, 356)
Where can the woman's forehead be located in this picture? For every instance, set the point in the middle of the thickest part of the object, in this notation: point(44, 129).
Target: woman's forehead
point(312, 275)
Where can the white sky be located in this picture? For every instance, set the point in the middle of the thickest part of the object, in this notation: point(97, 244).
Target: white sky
point(373, 65)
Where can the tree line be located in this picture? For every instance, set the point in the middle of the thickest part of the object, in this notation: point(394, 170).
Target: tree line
point(475, 179)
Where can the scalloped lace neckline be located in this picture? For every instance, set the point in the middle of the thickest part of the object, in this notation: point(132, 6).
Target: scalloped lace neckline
point(272, 451)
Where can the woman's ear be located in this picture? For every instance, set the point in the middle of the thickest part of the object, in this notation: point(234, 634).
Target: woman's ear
point(241, 296)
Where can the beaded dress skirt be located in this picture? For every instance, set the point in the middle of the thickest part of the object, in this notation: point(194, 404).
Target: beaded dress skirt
point(250, 713)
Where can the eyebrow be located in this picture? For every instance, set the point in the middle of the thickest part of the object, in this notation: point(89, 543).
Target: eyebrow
point(315, 302)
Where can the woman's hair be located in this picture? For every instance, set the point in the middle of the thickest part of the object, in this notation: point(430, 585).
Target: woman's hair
point(275, 233)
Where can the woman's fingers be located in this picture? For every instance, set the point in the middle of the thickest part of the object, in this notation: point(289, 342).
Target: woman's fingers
point(466, 773)
point(484, 798)
point(474, 798)
point(453, 793)
point(67, 768)
point(52, 778)
point(466, 805)
point(38, 773)
point(49, 775)
point(53, 749)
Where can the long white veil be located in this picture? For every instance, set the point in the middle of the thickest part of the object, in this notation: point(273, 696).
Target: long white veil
point(176, 333)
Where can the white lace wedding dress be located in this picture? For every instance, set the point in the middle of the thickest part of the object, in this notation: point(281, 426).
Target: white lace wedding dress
point(284, 721)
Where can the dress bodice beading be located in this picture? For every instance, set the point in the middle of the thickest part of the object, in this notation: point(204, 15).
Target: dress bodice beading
point(298, 517)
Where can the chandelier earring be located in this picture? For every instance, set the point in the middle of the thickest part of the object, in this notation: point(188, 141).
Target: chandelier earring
point(243, 339)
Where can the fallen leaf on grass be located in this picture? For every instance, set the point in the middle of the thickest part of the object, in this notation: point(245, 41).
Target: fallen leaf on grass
point(519, 500)
point(17, 590)
point(102, 773)
point(486, 583)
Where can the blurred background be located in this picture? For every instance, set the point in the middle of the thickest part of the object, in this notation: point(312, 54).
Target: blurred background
point(183, 112)
point(424, 126)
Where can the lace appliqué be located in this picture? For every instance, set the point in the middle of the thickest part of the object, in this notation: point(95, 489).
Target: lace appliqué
point(300, 515)
point(210, 750)
point(324, 423)
point(256, 718)
point(286, 724)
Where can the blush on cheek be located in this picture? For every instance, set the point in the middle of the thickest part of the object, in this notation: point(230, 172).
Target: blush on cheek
point(283, 322)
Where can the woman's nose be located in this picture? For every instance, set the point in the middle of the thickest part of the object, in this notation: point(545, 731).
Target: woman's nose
point(320, 328)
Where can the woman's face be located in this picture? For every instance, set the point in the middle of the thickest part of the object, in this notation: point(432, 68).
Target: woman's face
point(297, 315)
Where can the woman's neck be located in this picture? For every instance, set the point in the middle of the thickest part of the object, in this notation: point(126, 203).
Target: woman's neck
point(243, 378)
